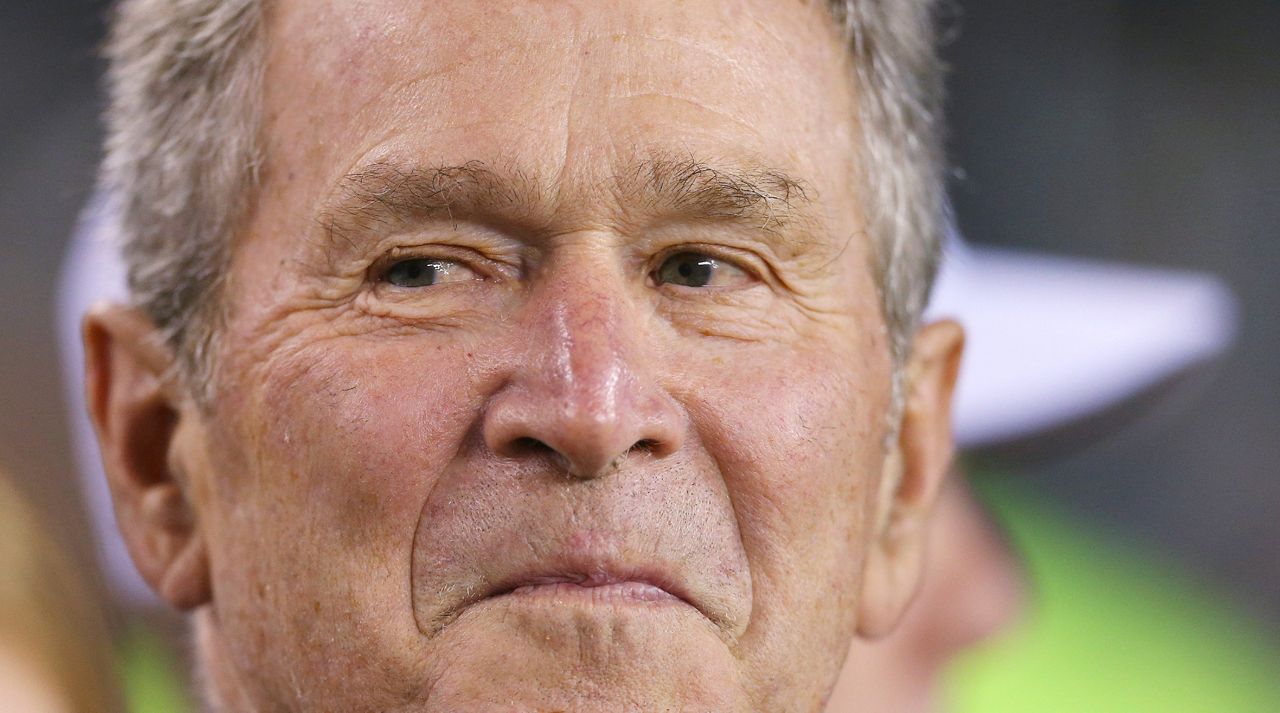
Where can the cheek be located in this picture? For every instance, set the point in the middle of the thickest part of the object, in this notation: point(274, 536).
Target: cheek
point(799, 439)
point(801, 453)
point(340, 443)
point(365, 428)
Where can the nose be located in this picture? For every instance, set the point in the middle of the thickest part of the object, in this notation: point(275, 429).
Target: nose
point(586, 388)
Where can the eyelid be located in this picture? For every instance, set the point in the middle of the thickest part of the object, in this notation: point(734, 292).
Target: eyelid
point(728, 256)
point(483, 266)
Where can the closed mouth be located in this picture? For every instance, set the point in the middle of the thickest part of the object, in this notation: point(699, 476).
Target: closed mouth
point(610, 593)
point(594, 586)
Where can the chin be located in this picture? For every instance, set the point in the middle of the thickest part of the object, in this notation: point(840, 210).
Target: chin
point(568, 650)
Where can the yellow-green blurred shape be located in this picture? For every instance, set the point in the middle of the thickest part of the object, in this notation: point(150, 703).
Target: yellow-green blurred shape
point(1107, 629)
point(152, 678)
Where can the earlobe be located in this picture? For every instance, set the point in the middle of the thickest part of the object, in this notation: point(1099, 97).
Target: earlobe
point(914, 474)
point(137, 410)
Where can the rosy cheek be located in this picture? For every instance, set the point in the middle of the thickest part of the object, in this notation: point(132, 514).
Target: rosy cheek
point(796, 447)
point(367, 428)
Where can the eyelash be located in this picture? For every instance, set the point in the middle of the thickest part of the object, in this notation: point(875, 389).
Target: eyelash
point(480, 265)
point(490, 269)
point(733, 257)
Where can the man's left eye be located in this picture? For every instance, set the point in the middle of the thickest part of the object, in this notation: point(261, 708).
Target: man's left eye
point(425, 272)
point(691, 269)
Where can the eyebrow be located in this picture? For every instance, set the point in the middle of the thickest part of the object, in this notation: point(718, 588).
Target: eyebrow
point(769, 198)
point(383, 194)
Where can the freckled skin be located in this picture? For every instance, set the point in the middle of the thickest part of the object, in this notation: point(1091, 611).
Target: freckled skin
point(377, 459)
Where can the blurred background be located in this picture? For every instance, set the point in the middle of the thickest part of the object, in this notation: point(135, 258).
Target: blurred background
point(1146, 131)
point(1141, 131)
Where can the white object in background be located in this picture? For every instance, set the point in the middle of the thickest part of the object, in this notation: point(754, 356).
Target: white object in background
point(1052, 340)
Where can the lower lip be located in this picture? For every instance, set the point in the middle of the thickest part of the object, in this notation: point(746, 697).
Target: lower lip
point(613, 593)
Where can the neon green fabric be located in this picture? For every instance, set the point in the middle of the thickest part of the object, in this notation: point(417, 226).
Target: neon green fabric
point(1109, 629)
point(152, 682)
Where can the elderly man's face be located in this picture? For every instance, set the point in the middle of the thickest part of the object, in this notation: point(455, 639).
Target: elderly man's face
point(553, 375)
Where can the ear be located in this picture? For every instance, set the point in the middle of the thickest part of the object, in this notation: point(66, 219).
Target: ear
point(915, 468)
point(137, 410)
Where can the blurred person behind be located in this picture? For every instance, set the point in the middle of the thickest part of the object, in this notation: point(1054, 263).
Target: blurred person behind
point(1028, 608)
point(973, 592)
point(55, 655)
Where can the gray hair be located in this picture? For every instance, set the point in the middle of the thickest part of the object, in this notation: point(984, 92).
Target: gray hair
point(183, 151)
point(182, 154)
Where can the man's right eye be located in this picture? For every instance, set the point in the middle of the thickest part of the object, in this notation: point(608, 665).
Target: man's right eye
point(425, 272)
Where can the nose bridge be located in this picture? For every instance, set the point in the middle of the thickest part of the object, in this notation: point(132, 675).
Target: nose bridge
point(589, 343)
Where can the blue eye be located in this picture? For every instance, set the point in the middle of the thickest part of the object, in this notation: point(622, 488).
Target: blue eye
point(425, 272)
point(691, 269)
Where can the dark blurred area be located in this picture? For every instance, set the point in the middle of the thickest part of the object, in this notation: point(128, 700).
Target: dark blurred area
point(1138, 131)
point(49, 148)
point(1147, 132)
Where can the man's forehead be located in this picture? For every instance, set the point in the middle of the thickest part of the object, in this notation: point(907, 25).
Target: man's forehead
point(457, 25)
point(539, 76)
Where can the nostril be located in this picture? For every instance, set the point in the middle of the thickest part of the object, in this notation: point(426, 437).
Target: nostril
point(529, 446)
point(645, 445)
